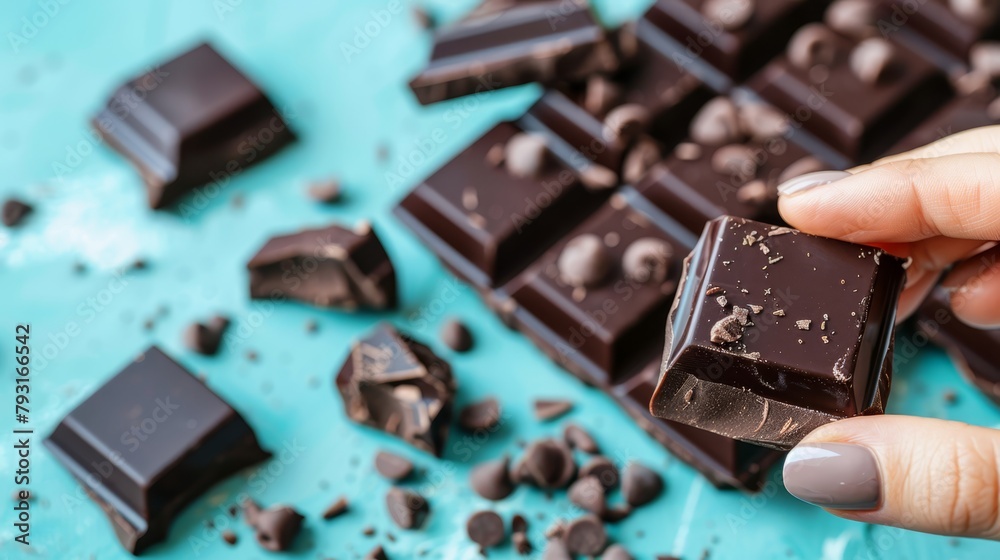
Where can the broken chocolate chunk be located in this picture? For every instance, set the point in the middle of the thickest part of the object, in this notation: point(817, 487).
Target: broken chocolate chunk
point(336, 509)
point(548, 409)
point(603, 469)
point(329, 267)
point(588, 493)
point(491, 479)
point(483, 415)
point(393, 383)
point(585, 535)
point(578, 438)
point(275, 527)
point(640, 484)
point(206, 338)
point(14, 212)
point(393, 466)
point(407, 509)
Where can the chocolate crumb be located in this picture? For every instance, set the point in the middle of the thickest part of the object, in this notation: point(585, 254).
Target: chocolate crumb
point(764, 249)
point(949, 396)
point(779, 313)
point(773, 260)
point(368, 531)
point(727, 329)
point(741, 315)
point(825, 339)
point(14, 212)
point(546, 409)
point(689, 396)
point(229, 537)
point(723, 302)
point(755, 308)
point(713, 290)
point(803, 324)
point(780, 231)
point(336, 508)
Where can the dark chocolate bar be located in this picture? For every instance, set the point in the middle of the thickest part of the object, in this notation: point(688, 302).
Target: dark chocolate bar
point(735, 36)
point(487, 216)
point(523, 43)
point(329, 267)
point(972, 350)
point(954, 25)
point(859, 96)
point(397, 385)
point(591, 301)
point(725, 462)
point(775, 332)
point(193, 120)
point(148, 442)
point(965, 112)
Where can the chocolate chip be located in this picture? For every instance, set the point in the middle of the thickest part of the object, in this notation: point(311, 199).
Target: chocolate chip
point(984, 57)
point(377, 553)
point(603, 469)
point(735, 159)
point(598, 177)
point(687, 151)
point(407, 509)
point(625, 122)
point(585, 535)
point(647, 259)
point(518, 524)
point(326, 192)
point(872, 60)
point(811, 45)
point(206, 338)
point(547, 409)
point(229, 537)
point(485, 528)
point(616, 552)
point(368, 531)
point(616, 513)
point(727, 329)
point(588, 493)
point(482, 415)
point(526, 154)
point(311, 326)
point(547, 464)
point(491, 479)
point(556, 549)
point(335, 509)
point(640, 485)
point(716, 123)
point(521, 543)
point(275, 527)
point(640, 159)
point(801, 166)
point(601, 95)
point(762, 122)
point(731, 15)
point(14, 212)
point(456, 335)
point(578, 438)
point(854, 18)
point(975, 11)
point(392, 466)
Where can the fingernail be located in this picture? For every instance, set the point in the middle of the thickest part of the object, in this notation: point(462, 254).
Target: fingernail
point(833, 475)
point(808, 181)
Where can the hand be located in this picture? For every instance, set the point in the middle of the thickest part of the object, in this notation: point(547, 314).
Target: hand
point(939, 205)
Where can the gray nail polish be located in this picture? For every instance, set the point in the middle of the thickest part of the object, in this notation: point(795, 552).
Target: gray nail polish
point(810, 180)
point(833, 475)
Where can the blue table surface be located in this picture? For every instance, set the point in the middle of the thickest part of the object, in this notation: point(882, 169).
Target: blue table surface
point(339, 71)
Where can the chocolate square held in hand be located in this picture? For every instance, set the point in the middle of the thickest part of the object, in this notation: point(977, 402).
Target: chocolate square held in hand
point(148, 442)
point(774, 333)
point(522, 43)
point(497, 205)
point(395, 384)
point(328, 267)
point(725, 462)
point(194, 120)
point(590, 301)
point(739, 150)
point(859, 96)
point(735, 36)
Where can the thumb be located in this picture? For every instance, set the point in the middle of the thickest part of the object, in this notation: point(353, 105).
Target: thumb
point(935, 476)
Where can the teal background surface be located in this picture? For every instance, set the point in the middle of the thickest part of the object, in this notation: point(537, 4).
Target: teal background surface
point(347, 106)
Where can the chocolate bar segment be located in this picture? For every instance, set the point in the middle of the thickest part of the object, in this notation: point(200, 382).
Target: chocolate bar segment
point(775, 332)
point(972, 350)
point(591, 301)
point(397, 385)
point(328, 267)
point(723, 461)
point(954, 25)
point(859, 96)
point(148, 442)
point(190, 121)
point(738, 151)
point(526, 42)
point(735, 36)
point(485, 218)
point(963, 113)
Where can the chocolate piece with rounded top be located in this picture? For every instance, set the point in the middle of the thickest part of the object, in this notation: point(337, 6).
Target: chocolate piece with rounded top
point(329, 267)
point(588, 493)
point(407, 509)
point(616, 552)
point(491, 479)
point(393, 466)
point(14, 212)
point(760, 377)
point(585, 535)
point(202, 442)
point(547, 464)
point(482, 415)
point(579, 438)
point(485, 528)
point(603, 469)
point(397, 385)
point(640, 484)
point(188, 121)
point(515, 46)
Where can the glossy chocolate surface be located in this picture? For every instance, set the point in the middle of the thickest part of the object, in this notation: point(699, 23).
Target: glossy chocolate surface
point(974, 351)
point(328, 267)
point(940, 22)
point(960, 114)
point(600, 332)
point(815, 344)
point(858, 118)
point(193, 120)
point(487, 224)
point(148, 442)
point(527, 42)
point(740, 51)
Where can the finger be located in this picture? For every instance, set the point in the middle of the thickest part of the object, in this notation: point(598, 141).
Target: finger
point(915, 294)
point(953, 196)
point(923, 474)
point(975, 289)
point(985, 139)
